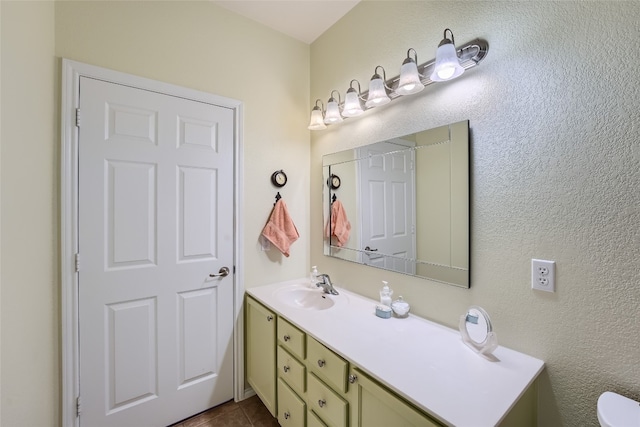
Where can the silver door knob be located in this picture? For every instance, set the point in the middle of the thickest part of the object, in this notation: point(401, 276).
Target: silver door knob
point(223, 272)
point(322, 402)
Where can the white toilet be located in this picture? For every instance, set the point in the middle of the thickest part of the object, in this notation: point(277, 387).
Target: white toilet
point(618, 411)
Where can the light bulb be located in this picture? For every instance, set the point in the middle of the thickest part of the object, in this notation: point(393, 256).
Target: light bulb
point(409, 77)
point(445, 73)
point(447, 65)
point(352, 107)
point(377, 91)
point(317, 121)
point(333, 112)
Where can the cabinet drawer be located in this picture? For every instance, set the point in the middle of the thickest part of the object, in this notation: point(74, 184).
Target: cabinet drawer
point(313, 420)
point(291, 409)
point(291, 338)
point(291, 371)
point(326, 403)
point(327, 365)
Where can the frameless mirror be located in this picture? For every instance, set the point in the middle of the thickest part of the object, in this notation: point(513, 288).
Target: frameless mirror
point(402, 204)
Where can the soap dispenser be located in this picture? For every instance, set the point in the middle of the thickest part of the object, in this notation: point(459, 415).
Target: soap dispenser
point(313, 276)
point(385, 294)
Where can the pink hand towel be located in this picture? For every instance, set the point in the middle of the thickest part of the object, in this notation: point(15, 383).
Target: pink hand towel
point(280, 229)
point(338, 225)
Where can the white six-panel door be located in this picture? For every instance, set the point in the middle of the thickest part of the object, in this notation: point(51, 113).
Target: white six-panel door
point(387, 194)
point(155, 221)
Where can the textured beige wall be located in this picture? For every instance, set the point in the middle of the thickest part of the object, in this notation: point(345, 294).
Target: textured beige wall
point(29, 278)
point(555, 165)
point(192, 44)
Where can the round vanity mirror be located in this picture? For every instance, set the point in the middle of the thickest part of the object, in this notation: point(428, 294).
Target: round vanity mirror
point(476, 330)
point(478, 324)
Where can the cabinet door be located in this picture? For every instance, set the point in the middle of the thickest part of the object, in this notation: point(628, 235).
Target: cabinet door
point(377, 406)
point(260, 347)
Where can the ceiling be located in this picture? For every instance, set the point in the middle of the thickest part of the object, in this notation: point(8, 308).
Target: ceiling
point(304, 20)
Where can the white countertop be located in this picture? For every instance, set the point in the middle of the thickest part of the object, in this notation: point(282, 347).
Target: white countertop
point(426, 363)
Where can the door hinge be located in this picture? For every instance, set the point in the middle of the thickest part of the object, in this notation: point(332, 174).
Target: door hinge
point(78, 406)
point(234, 269)
point(77, 117)
point(77, 262)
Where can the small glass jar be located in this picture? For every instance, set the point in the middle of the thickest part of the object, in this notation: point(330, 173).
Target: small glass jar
point(400, 307)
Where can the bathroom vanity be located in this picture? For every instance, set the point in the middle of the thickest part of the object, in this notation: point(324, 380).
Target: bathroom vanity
point(317, 359)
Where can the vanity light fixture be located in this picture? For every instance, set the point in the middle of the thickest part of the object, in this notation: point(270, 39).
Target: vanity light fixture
point(317, 117)
point(450, 62)
point(332, 115)
point(352, 106)
point(447, 63)
point(378, 90)
point(409, 77)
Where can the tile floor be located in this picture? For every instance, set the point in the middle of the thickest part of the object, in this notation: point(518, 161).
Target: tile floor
point(248, 413)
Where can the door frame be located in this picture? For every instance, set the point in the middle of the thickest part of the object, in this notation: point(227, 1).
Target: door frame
point(72, 71)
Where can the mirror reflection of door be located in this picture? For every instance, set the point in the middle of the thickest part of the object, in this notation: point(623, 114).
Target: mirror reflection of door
point(438, 170)
point(387, 203)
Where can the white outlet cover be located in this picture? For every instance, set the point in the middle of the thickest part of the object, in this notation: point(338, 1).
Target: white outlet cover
point(543, 275)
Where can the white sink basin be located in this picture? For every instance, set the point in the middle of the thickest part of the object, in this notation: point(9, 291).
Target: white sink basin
point(300, 296)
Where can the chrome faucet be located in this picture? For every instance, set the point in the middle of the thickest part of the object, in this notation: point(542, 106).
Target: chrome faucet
point(326, 285)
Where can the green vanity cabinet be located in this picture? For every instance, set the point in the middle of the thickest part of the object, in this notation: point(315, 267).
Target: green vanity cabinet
point(260, 342)
point(312, 385)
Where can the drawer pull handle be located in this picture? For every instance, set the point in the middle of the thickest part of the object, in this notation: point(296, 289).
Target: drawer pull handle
point(269, 318)
point(321, 363)
point(286, 368)
point(353, 378)
point(286, 415)
point(322, 402)
point(287, 338)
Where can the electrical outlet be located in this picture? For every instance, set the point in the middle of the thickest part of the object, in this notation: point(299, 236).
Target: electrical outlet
point(543, 275)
